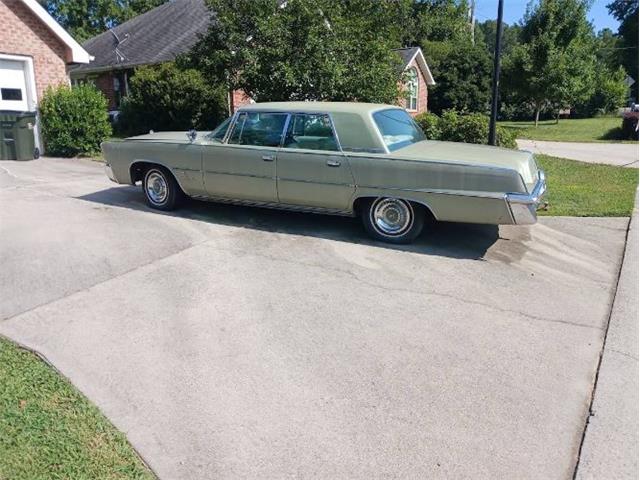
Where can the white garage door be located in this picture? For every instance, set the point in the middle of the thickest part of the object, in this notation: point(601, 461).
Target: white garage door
point(13, 86)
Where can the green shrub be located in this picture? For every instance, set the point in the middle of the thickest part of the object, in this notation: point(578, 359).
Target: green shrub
point(165, 97)
point(472, 128)
point(74, 120)
point(430, 124)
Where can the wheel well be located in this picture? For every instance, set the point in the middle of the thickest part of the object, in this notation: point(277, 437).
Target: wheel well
point(361, 202)
point(138, 169)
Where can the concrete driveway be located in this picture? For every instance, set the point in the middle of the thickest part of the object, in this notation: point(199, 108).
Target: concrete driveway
point(618, 154)
point(232, 342)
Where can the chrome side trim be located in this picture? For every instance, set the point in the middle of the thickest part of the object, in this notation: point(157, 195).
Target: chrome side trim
point(275, 205)
point(266, 177)
point(459, 193)
point(297, 180)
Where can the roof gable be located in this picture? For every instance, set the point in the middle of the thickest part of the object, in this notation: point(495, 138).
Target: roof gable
point(408, 56)
point(77, 54)
point(156, 36)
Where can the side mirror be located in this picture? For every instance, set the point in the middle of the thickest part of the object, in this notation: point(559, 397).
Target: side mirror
point(191, 135)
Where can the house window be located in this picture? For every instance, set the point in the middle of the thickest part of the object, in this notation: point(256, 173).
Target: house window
point(411, 87)
point(13, 94)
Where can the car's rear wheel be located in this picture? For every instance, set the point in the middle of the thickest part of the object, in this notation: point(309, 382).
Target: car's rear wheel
point(160, 189)
point(393, 220)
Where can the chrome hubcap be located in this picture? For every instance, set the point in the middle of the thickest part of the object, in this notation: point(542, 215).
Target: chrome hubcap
point(156, 187)
point(392, 216)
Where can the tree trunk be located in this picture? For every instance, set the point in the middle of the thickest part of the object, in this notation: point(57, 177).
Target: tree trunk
point(537, 115)
point(558, 117)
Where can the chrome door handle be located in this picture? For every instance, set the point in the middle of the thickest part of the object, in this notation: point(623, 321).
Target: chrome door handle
point(268, 158)
point(333, 163)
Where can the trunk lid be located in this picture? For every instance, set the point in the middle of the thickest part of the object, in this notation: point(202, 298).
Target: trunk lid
point(472, 154)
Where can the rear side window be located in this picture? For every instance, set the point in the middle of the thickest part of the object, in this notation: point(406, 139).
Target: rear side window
point(397, 128)
point(258, 128)
point(11, 94)
point(311, 131)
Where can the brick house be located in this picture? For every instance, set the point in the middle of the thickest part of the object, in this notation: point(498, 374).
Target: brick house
point(35, 53)
point(171, 29)
point(417, 79)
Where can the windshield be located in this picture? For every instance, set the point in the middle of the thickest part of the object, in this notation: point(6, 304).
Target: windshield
point(218, 133)
point(397, 128)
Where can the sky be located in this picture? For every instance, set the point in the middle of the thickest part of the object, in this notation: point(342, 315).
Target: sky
point(514, 9)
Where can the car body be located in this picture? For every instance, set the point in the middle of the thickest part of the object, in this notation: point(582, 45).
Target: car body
point(336, 158)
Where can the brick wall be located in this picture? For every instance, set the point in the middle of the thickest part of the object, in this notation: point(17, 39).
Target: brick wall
point(22, 33)
point(104, 83)
point(237, 98)
point(423, 92)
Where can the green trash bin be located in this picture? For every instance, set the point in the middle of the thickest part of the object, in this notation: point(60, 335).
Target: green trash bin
point(17, 136)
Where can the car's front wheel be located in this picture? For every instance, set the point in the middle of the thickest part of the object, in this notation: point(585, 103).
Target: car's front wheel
point(160, 189)
point(393, 220)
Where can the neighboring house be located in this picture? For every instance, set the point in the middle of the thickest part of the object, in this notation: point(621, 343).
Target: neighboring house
point(171, 29)
point(35, 53)
point(154, 37)
point(417, 79)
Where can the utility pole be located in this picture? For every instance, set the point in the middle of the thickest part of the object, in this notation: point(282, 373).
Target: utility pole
point(496, 77)
point(472, 20)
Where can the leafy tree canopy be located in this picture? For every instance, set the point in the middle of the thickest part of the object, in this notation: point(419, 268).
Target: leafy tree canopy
point(555, 63)
point(463, 75)
point(486, 31)
point(305, 49)
point(626, 12)
point(84, 19)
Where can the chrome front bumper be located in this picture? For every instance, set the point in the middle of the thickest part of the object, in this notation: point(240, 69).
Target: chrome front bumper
point(523, 206)
point(109, 172)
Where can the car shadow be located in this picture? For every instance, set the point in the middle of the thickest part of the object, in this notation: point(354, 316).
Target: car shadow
point(453, 240)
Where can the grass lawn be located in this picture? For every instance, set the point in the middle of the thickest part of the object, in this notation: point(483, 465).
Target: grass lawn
point(48, 430)
point(588, 190)
point(603, 129)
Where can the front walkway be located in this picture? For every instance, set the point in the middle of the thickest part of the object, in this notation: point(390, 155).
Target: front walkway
point(619, 154)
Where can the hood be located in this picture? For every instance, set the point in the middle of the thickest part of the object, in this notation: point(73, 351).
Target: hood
point(469, 153)
point(167, 137)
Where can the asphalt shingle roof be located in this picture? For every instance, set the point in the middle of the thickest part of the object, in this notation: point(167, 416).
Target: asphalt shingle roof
point(156, 36)
point(407, 55)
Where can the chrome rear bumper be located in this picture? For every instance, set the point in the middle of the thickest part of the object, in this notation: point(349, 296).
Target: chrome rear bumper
point(524, 206)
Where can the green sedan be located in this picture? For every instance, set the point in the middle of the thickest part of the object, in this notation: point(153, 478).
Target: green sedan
point(355, 159)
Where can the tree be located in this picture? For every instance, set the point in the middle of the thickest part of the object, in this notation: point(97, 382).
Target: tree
point(510, 36)
point(626, 12)
point(437, 21)
point(463, 77)
point(84, 19)
point(305, 49)
point(554, 65)
point(607, 47)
